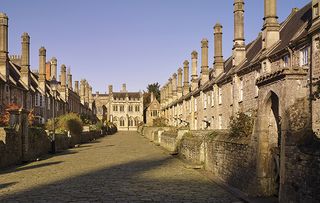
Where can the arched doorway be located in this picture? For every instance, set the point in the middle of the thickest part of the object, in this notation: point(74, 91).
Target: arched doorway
point(270, 144)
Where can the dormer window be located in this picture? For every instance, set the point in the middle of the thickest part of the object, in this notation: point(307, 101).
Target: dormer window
point(285, 61)
point(304, 57)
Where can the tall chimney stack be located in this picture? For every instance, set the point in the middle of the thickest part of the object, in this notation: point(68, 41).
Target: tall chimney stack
point(186, 77)
point(76, 87)
point(239, 48)
point(90, 96)
point(86, 94)
point(110, 88)
point(170, 96)
point(174, 87)
point(25, 58)
point(54, 68)
point(271, 26)
point(124, 88)
point(218, 57)
point(194, 75)
point(48, 70)
point(179, 88)
point(82, 90)
point(69, 79)
point(63, 76)
point(4, 45)
point(42, 68)
point(204, 61)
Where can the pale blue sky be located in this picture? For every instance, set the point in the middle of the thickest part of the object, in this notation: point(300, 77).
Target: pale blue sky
point(127, 41)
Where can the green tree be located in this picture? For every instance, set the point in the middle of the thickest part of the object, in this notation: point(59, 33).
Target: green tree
point(155, 88)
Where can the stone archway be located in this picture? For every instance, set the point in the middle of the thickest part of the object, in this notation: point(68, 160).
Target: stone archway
point(269, 147)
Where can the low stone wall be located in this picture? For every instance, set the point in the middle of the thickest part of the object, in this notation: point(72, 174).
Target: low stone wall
point(13, 151)
point(301, 181)
point(10, 147)
point(191, 149)
point(234, 162)
point(169, 141)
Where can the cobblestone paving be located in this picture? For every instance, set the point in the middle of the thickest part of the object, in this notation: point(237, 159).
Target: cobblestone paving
point(124, 167)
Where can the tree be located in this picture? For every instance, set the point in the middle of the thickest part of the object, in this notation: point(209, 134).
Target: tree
point(155, 88)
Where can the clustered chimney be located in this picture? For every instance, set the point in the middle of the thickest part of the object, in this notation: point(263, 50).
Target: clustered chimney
point(271, 26)
point(48, 70)
point(42, 68)
point(63, 76)
point(179, 88)
point(86, 89)
point(124, 88)
point(110, 87)
point(170, 96)
point(186, 77)
point(204, 61)
point(25, 58)
point(69, 79)
point(54, 68)
point(82, 91)
point(76, 87)
point(239, 49)
point(194, 75)
point(3, 44)
point(218, 57)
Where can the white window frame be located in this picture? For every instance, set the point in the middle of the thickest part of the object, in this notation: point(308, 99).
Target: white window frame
point(241, 90)
point(205, 101)
point(285, 60)
point(304, 56)
point(220, 95)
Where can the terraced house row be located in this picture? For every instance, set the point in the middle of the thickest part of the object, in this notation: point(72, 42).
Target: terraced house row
point(36, 90)
point(280, 66)
point(275, 80)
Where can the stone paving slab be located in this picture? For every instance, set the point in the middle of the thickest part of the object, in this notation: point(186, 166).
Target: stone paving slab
point(124, 167)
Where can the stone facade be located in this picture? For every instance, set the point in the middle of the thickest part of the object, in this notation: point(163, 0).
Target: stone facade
point(124, 109)
point(263, 78)
point(33, 90)
point(153, 110)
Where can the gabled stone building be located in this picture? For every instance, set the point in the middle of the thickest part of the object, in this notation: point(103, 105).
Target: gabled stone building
point(153, 110)
point(32, 90)
point(265, 77)
point(125, 109)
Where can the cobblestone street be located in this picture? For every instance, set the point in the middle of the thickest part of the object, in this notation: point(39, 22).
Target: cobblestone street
point(124, 167)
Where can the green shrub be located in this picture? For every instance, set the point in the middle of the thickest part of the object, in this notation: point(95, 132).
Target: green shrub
point(241, 125)
point(159, 122)
point(68, 122)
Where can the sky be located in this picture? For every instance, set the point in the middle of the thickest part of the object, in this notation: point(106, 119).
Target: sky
point(136, 42)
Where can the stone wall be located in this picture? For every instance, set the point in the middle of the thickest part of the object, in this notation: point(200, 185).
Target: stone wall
point(12, 151)
point(10, 147)
point(169, 141)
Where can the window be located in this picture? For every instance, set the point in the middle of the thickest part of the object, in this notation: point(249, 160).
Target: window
point(241, 90)
point(49, 103)
point(121, 108)
point(195, 105)
point(190, 106)
point(304, 57)
point(121, 122)
point(136, 121)
point(36, 99)
point(212, 98)
point(256, 86)
point(220, 121)
point(205, 101)
point(195, 124)
point(115, 108)
point(220, 95)
point(285, 61)
point(131, 122)
point(154, 113)
point(130, 108)
point(137, 108)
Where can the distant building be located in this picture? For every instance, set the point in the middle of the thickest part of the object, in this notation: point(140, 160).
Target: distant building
point(123, 108)
point(153, 110)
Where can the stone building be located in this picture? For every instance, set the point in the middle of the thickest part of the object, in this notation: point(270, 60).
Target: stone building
point(123, 108)
point(265, 77)
point(153, 110)
point(33, 90)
